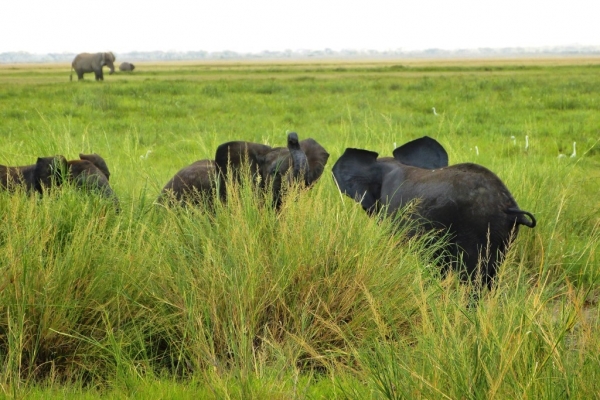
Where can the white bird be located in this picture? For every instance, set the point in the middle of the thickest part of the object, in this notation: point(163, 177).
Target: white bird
point(514, 140)
point(476, 150)
point(526, 142)
point(574, 154)
point(434, 113)
point(394, 145)
point(145, 156)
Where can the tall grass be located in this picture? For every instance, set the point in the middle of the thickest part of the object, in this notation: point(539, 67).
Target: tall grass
point(317, 300)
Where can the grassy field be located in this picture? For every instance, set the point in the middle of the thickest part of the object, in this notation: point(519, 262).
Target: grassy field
point(317, 301)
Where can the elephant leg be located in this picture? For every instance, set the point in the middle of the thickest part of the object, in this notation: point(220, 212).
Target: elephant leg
point(79, 75)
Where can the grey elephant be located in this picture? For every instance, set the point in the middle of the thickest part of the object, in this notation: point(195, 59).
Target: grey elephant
point(126, 67)
point(92, 62)
point(466, 203)
point(301, 161)
point(193, 184)
point(90, 172)
point(46, 172)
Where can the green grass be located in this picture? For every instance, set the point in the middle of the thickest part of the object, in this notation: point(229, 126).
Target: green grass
point(316, 301)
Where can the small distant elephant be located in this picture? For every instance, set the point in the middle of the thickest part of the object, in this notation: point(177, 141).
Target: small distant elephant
point(301, 162)
point(126, 67)
point(204, 179)
point(92, 62)
point(89, 172)
point(467, 202)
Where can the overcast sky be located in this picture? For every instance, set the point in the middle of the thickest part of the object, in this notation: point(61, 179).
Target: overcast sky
point(45, 26)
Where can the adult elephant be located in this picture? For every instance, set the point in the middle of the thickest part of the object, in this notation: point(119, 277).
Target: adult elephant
point(92, 62)
point(90, 172)
point(300, 162)
point(466, 203)
point(126, 67)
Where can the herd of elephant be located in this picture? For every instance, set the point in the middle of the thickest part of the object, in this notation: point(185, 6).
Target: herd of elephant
point(466, 204)
point(94, 62)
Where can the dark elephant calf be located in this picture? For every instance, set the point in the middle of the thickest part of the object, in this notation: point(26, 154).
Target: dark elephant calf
point(89, 172)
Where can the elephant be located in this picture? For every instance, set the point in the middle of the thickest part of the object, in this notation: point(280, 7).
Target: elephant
point(92, 62)
point(90, 172)
point(194, 184)
point(465, 203)
point(206, 179)
point(126, 67)
point(45, 172)
point(301, 162)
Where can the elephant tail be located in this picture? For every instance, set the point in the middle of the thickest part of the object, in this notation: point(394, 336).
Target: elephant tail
point(531, 222)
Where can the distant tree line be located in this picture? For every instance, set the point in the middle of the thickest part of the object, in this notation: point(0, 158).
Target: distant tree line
point(25, 57)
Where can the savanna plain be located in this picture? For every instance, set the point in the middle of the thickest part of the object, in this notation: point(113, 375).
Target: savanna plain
point(317, 300)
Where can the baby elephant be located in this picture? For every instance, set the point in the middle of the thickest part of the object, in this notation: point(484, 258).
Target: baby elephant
point(301, 161)
point(45, 172)
point(89, 172)
point(195, 184)
point(126, 67)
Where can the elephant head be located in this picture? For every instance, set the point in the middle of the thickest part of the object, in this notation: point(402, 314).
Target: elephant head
point(109, 59)
point(301, 161)
point(90, 173)
point(88, 62)
point(466, 203)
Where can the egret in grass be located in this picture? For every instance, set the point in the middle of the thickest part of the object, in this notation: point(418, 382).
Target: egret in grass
point(434, 112)
point(574, 154)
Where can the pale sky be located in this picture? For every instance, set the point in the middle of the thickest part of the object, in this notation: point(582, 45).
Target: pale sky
point(56, 26)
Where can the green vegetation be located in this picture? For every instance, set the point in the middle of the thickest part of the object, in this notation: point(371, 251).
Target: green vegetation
point(317, 301)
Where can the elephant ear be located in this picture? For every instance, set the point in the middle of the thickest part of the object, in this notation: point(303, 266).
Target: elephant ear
point(317, 158)
point(359, 175)
point(49, 171)
point(98, 162)
point(232, 156)
point(424, 152)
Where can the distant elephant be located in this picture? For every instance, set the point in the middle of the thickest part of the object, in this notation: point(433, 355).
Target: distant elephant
point(92, 62)
point(126, 67)
point(302, 161)
point(89, 172)
point(466, 201)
